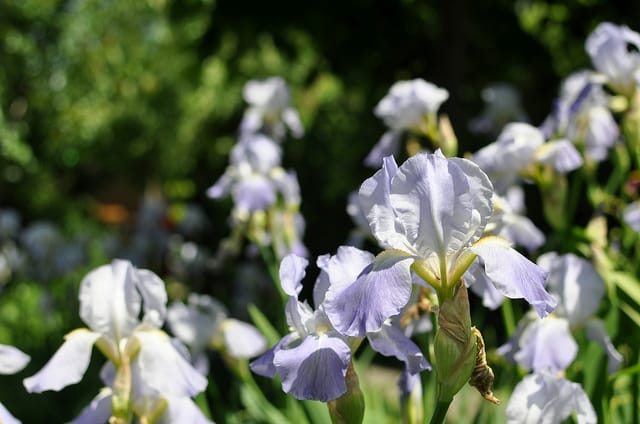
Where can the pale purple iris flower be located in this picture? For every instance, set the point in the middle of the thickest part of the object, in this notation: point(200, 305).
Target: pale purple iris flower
point(404, 108)
point(12, 360)
point(112, 297)
point(313, 359)
point(548, 344)
point(609, 48)
point(251, 177)
point(429, 214)
point(270, 110)
point(549, 399)
point(520, 146)
point(204, 323)
point(581, 114)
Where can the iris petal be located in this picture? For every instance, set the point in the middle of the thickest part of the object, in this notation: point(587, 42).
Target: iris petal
point(315, 369)
point(376, 295)
point(67, 365)
point(514, 275)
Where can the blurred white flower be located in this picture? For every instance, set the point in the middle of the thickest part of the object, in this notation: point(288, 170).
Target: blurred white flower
point(269, 109)
point(615, 51)
point(203, 323)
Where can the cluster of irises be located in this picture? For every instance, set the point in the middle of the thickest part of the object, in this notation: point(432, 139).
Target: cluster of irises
point(445, 226)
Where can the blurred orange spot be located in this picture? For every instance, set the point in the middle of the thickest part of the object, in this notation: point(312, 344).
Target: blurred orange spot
point(112, 213)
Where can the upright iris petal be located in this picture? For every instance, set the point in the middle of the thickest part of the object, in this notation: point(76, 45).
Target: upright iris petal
point(429, 214)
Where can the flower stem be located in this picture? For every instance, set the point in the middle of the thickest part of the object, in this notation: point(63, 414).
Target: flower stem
point(439, 414)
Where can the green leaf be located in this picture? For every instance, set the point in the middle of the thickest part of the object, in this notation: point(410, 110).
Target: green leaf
point(263, 324)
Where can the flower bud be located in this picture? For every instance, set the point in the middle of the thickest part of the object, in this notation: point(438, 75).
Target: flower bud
point(455, 345)
point(348, 408)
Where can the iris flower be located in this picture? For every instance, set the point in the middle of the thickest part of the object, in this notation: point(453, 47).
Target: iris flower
point(150, 371)
point(516, 152)
point(429, 214)
point(269, 109)
point(409, 106)
point(549, 345)
point(581, 114)
point(313, 359)
point(608, 45)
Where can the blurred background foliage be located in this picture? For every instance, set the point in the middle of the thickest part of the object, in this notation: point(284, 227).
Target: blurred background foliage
point(102, 101)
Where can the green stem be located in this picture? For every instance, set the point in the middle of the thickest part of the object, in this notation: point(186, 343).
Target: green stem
point(508, 317)
point(440, 412)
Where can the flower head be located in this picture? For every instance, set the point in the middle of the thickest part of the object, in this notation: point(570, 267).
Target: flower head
point(516, 152)
point(409, 106)
point(313, 359)
point(407, 102)
point(608, 45)
point(146, 363)
point(269, 109)
point(549, 344)
point(429, 214)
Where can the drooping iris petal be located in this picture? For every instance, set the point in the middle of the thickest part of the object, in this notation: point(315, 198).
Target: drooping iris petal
point(264, 364)
point(578, 285)
point(391, 341)
point(254, 192)
point(376, 295)
point(292, 271)
point(597, 333)
point(109, 301)
point(98, 411)
point(315, 369)
point(242, 340)
point(67, 365)
point(161, 367)
point(12, 359)
point(547, 344)
point(514, 275)
point(544, 398)
point(443, 204)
